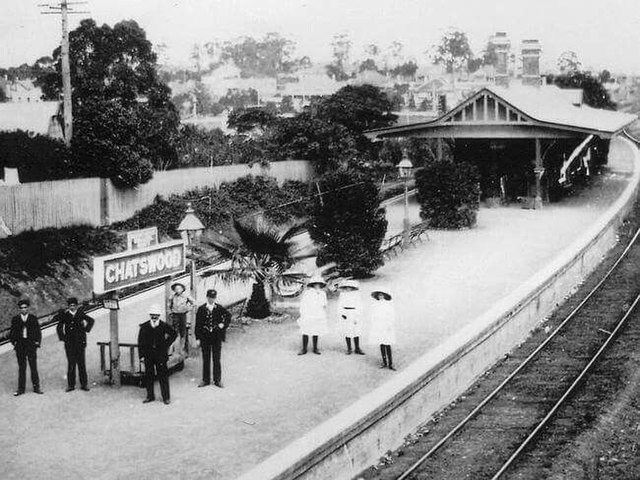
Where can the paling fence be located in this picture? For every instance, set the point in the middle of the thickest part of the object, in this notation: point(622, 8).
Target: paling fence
point(96, 201)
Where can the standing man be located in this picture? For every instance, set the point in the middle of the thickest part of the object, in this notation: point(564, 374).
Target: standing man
point(212, 321)
point(25, 335)
point(180, 304)
point(73, 326)
point(154, 339)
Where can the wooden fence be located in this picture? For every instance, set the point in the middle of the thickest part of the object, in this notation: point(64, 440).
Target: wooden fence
point(96, 201)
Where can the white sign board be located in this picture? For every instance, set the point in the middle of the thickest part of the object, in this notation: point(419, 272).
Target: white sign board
point(143, 238)
point(132, 267)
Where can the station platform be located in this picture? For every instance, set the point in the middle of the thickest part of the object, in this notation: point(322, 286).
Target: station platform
point(272, 396)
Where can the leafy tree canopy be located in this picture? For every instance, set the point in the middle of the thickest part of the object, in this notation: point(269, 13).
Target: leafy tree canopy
point(348, 223)
point(246, 119)
point(268, 57)
point(358, 108)
point(453, 51)
point(124, 121)
point(595, 95)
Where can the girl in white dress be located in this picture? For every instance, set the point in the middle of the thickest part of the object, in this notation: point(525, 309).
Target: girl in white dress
point(382, 320)
point(350, 314)
point(313, 313)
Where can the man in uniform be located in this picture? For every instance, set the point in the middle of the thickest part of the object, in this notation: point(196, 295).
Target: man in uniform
point(73, 326)
point(25, 335)
point(212, 321)
point(154, 339)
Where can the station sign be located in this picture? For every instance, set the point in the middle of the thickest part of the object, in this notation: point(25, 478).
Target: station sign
point(143, 238)
point(132, 267)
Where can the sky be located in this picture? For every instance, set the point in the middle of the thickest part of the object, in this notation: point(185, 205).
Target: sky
point(603, 33)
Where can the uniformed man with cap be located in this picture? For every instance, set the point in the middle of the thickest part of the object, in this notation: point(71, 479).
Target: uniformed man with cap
point(25, 336)
point(212, 321)
point(73, 326)
point(154, 339)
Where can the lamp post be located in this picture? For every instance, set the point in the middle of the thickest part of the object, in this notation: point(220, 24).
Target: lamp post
point(191, 229)
point(404, 170)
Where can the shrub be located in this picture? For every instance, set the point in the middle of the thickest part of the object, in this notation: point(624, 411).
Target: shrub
point(37, 157)
point(33, 254)
point(449, 194)
point(217, 207)
point(348, 223)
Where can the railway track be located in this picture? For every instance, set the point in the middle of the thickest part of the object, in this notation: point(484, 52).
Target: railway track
point(516, 421)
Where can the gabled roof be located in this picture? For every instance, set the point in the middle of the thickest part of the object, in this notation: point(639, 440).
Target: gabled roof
point(517, 107)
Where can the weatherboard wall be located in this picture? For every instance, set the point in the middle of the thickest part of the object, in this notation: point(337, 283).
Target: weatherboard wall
point(95, 201)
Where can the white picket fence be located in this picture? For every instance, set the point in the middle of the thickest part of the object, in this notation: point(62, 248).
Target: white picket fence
point(96, 201)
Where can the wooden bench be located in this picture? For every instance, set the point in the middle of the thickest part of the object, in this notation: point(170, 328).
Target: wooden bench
point(418, 231)
point(391, 245)
point(135, 374)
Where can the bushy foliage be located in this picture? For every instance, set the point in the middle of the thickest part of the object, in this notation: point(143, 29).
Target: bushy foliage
point(217, 207)
point(32, 254)
point(449, 194)
point(37, 157)
point(595, 95)
point(124, 121)
point(348, 223)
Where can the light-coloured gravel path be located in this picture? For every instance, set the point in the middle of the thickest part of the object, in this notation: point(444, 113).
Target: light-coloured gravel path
point(272, 396)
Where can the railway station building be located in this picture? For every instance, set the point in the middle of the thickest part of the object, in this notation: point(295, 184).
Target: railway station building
point(528, 140)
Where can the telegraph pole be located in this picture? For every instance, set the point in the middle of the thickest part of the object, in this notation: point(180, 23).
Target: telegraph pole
point(62, 9)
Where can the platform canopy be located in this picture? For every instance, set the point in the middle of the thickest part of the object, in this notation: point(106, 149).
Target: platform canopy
point(515, 112)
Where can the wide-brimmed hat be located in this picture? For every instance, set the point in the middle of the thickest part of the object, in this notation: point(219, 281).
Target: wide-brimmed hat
point(178, 284)
point(385, 292)
point(23, 301)
point(155, 310)
point(316, 279)
point(212, 293)
point(72, 301)
point(353, 284)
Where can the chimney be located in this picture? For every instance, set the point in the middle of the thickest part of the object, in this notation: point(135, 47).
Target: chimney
point(502, 45)
point(531, 50)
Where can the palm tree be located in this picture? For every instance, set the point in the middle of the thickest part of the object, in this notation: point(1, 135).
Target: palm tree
point(262, 254)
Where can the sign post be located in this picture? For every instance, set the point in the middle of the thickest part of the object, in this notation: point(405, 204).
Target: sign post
point(114, 347)
point(125, 269)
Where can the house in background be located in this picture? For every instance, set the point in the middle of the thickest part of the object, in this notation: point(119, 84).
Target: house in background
point(22, 91)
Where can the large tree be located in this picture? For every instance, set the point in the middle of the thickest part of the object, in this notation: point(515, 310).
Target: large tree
point(341, 46)
point(124, 121)
point(330, 131)
point(453, 51)
point(267, 57)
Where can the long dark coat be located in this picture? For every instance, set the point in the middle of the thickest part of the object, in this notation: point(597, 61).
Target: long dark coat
point(207, 329)
point(154, 343)
point(34, 335)
point(73, 329)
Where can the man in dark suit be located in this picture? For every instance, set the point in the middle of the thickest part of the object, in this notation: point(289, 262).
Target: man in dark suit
point(212, 321)
point(25, 335)
point(73, 326)
point(154, 339)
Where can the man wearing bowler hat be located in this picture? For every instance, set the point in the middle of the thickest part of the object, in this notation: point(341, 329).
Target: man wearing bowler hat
point(212, 321)
point(25, 336)
point(73, 326)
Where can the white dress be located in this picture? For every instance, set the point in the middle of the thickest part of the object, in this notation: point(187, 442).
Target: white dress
point(313, 312)
point(382, 318)
point(350, 306)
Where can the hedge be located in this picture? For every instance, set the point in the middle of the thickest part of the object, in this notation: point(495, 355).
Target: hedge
point(449, 194)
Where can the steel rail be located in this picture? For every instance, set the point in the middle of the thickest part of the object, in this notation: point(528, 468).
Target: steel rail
point(568, 392)
point(517, 370)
